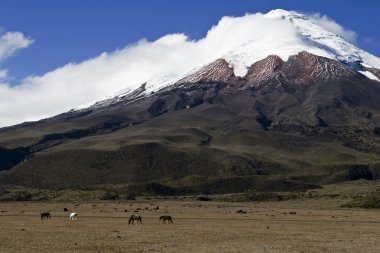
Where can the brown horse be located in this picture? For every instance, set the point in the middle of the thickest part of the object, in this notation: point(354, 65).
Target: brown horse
point(45, 215)
point(134, 218)
point(166, 219)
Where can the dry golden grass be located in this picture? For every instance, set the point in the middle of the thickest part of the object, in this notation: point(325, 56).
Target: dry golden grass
point(198, 227)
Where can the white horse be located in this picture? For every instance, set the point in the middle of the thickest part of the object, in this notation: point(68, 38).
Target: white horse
point(73, 216)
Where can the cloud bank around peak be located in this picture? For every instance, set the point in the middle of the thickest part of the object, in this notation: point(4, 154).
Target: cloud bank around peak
point(163, 60)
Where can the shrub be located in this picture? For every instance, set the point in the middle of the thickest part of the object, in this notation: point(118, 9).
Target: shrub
point(19, 196)
point(111, 195)
point(360, 172)
point(369, 201)
point(131, 197)
point(204, 198)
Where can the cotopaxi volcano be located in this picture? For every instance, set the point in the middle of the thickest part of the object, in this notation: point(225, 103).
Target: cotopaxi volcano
point(270, 113)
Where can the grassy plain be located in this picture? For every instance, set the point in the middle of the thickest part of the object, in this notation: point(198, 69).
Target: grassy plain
point(310, 225)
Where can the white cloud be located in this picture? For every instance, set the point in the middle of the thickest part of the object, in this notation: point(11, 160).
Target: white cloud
point(167, 58)
point(10, 42)
point(332, 26)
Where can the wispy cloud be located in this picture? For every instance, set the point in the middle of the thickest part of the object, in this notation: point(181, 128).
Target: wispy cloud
point(332, 26)
point(3, 73)
point(371, 41)
point(10, 43)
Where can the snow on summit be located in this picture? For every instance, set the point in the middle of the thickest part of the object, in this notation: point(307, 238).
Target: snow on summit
point(302, 34)
point(316, 36)
point(242, 41)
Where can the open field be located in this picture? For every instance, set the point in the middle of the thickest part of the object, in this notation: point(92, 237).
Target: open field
point(318, 226)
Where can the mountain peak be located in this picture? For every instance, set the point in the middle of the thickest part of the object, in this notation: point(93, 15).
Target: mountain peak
point(282, 14)
point(304, 34)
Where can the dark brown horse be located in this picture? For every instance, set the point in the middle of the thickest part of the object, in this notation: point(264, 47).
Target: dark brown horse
point(166, 219)
point(45, 215)
point(134, 218)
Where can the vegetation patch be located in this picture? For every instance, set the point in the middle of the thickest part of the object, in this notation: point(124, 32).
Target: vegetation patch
point(369, 201)
point(20, 195)
point(254, 196)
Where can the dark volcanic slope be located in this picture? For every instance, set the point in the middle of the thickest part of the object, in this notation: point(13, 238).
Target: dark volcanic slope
point(307, 120)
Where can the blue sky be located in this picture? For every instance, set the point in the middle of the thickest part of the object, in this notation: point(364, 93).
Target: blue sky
point(76, 30)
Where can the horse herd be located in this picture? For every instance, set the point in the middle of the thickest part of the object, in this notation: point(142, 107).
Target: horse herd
point(134, 218)
point(164, 218)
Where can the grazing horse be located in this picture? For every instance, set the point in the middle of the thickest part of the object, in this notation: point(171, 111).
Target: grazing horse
point(45, 215)
point(134, 218)
point(166, 218)
point(65, 209)
point(73, 216)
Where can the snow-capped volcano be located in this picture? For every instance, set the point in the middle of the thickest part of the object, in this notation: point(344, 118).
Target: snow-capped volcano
point(251, 44)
